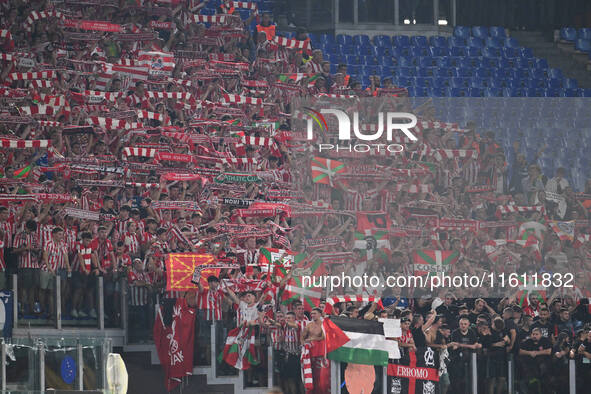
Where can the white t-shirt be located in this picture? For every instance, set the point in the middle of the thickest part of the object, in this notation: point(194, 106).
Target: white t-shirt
point(247, 313)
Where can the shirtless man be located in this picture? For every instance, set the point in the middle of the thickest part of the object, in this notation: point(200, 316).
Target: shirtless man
point(313, 335)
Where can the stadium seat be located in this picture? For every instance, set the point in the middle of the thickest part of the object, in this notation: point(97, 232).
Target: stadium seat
point(584, 33)
point(555, 73)
point(570, 92)
point(401, 41)
point(418, 91)
point(497, 31)
point(438, 41)
point(465, 72)
point(474, 52)
point(348, 50)
point(407, 72)
point(458, 51)
point(525, 63)
point(439, 51)
point(462, 31)
point(554, 83)
point(442, 82)
point(361, 39)
point(353, 59)
point(511, 42)
point(521, 73)
point(428, 61)
point(382, 40)
point(459, 82)
point(493, 92)
point(444, 62)
point(476, 92)
point(491, 52)
point(459, 92)
point(344, 39)
point(570, 83)
point(423, 82)
point(552, 92)
point(457, 41)
point(568, 34)
point(369, 61)
point(501, 73)
point(474, 62)
point(511, 53)
point(477, 82)
point(583, 45)
point(514, 92)
point(539, 73)
point(484, 72)
point(426, 71)
point(480, 32)
point(454, 61)
point(438, 92)
point(536, 83)
point(419, 51)
point(585, 92)
point(494, 42)
point(385, 61)
point(475, 42)
point(527, 53)
point(405, 81)
point(419, 41)
point(499, 83)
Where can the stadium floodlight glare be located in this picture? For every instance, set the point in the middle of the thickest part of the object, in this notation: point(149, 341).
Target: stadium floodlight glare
point(442, 22)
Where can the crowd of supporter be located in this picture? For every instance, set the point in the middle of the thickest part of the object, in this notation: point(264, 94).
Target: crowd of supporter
point(114, 135)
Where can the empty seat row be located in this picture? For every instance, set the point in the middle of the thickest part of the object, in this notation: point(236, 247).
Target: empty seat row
point(439, 61)
point(477, 82)
point(572, 34)
point(494, 92)
point(415, 41)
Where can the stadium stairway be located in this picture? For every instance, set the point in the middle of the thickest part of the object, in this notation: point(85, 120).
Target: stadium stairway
point(563, 57)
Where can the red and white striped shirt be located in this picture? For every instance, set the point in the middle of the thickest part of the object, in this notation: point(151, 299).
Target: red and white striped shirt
point(86, 253)
point(8, 230)
point(138, 294)
point(27, 259)
point(210, 302)
point(56, 255)
point(44, 233)
point(132, 242)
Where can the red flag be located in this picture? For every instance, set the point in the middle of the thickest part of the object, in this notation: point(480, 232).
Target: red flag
point(181, 266)
point(174, 344)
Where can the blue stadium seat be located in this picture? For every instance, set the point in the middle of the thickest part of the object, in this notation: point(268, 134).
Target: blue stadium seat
point(506, 63)
point(457, 41)
point(327, 38)
point(539, 73)
point(353, 68)
point(521, 73)
point(426, 71)
point(552, 92)
point(568, 34)
point(475, 42)
point(459, 92)
point(465, 72)
point(454, 61)
point(554, 83)
point(405, 81)
point(401, 41)
point(462, 31)
point(570, 83)
point(511, 53)
point(480, 32)
point(484, 72)
point(344, 39)
point(458, 51)
point(501, 73)
point(493, 92)
point(441, 82)
point(541, 63)
point(438, 41)
point(331, 48)
point(419, 51)
point(555, 73)
point(365, 50)
point(569, 92)
point(525, 63)
point(584, 33)
point(402, 51)
point(348, 50)
point(497, 31)
point(427, 61)
point(536, 83)
point(370, 70)
point(385, 61)
point(443, 62)
point(499, 83)
point(474, 52)
point(491, 52)
point(474, 62)
point(490, 62)
point(511, 42)
point(361, 39)
point(514, 92)
point(477, 82)
point(585, 92)
point(407, 62)
point(352, 59)
point(423, 82)
point(438, 92)
point(518, 82)
point(407, 72)
point(527, 53)
point(583, 45)
point(476, 92)
point(439, 51)
point(458, 82)
point(494, 42)
point(333, 68)
point(418, 91)
point(369, 60)
point(419, 41)
point(382, 40)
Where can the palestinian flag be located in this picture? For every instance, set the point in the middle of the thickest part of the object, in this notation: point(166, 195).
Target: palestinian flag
point(323, 170)
point(529, 290)
point(372, 234)
point(239, 350)
point(428, 262)
point(280, 261)
point(23, 172)
point(297, 77)
point(564, 230)
point(358, 341)
point(415, 373)
point(295, 289)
